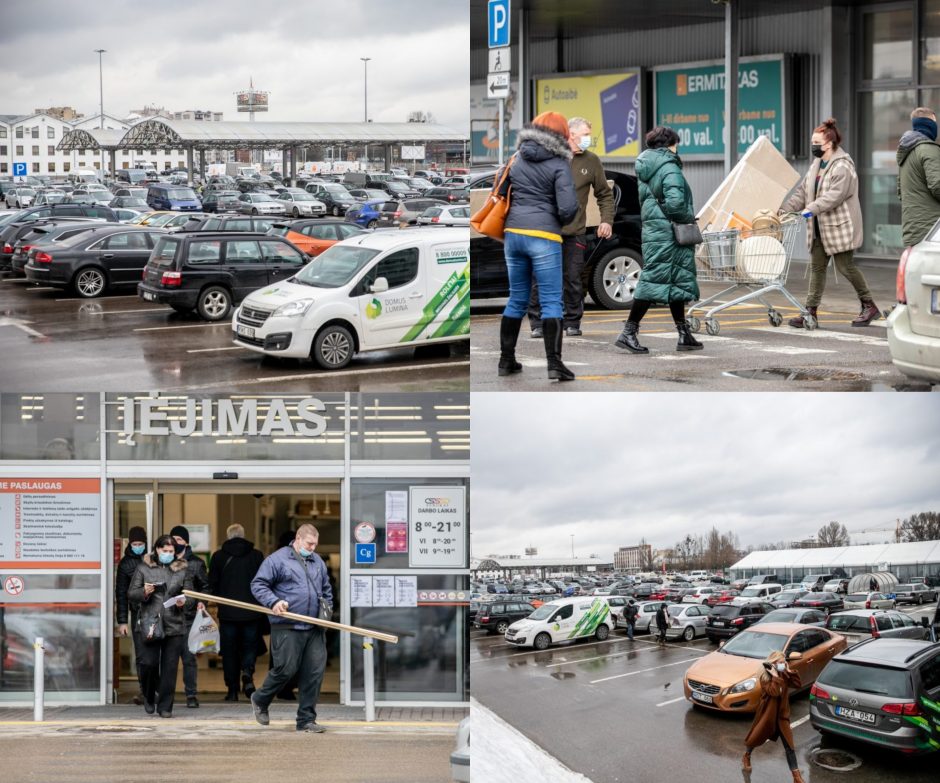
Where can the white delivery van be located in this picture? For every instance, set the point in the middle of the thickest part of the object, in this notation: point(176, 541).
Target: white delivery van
point(378, 290)
point(563, 620)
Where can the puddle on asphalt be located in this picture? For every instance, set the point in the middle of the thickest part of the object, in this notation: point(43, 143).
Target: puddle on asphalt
point(847, 380)
point(562, 675)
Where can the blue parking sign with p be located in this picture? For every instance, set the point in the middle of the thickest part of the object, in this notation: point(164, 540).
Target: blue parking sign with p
point(498, 23)
point(365, 553)
point(19, 169)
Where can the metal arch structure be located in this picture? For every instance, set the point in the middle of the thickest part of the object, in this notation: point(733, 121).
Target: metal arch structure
point(97, 139)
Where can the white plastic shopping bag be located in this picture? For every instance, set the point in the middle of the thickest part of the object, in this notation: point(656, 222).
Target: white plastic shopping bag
point(204, 635)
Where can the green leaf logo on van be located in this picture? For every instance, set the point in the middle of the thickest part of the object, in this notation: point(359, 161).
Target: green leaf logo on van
point(373, 309)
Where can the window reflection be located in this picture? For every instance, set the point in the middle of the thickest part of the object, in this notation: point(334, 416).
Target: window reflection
point(410, 426)
point(49, 426)
point(930, 43)
point(888, 44)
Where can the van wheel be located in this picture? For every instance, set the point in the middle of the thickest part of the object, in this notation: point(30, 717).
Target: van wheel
point(688, 634)
point(214, 303)
point(602, 632)
point(614, 278)
point(333, 347)
point(90, 282)
point(502, 627)
point(371, 224)
point(542, 641)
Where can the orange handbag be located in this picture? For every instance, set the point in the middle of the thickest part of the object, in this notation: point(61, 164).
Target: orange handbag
point(490, 219)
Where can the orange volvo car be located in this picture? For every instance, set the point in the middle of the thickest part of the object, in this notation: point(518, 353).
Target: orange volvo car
point(315, 235)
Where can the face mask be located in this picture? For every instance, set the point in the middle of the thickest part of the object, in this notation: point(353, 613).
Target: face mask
point(180, 548)
point(166, 557)
point(817, 150)
point(305, 552)
point(138, 550)
point(584, 142)
point(781, 667)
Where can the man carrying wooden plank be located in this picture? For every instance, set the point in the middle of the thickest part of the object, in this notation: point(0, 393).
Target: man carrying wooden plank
point(294, 577)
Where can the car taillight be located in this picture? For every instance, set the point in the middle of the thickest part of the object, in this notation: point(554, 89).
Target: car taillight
point(874, 627)
point(43, 258)
point(868, 604)
point(908, 708)
point(26, 248)
point(397, 214)
point(819, 693)
point(7, 247)
point(484, 619)
point(171, 279)
point(738, 621)
point(902, 268)
point(435, 220)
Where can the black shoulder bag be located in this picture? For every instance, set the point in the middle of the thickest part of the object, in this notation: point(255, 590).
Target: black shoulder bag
point(326, 608)
point(686, 234)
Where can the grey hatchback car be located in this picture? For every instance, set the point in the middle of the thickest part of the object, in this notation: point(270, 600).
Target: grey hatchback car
point(856, 625)
point(882, 691)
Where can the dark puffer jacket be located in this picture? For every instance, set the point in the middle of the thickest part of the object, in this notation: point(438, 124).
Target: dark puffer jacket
point(231, 570)
point(125, 573)
point(199, 575)
point(918, 185)
point(175, 578)
point(543, 196)
point(282, 578)
point(668, 268)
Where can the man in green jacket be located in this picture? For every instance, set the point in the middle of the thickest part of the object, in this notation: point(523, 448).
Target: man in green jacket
point(587, 171)
point(919, 176)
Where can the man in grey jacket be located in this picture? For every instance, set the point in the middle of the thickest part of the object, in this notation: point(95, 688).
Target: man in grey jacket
point(294, 579)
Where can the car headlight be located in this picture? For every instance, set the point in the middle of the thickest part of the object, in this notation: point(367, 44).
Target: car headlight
point(293, 309)
point(744, 686)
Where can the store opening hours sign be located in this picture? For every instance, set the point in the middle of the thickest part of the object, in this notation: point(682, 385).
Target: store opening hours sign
point(50, 523)
point(438, 523)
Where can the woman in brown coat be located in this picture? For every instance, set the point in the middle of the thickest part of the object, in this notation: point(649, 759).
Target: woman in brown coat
point(772, 719)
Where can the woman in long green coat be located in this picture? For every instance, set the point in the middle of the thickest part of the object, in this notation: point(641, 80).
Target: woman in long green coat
point(668, 275)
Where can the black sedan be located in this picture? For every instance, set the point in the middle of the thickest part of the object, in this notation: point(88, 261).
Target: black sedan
point(221, 201)
point(829, 602)
point(450, 195)
point(96, 260)
point(611, 267)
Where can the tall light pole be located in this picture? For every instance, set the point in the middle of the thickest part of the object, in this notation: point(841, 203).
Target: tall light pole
point(101, 107)
point(365, 107)
point(572, 545)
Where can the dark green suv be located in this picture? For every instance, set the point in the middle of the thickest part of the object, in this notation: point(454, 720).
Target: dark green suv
point(497, 616)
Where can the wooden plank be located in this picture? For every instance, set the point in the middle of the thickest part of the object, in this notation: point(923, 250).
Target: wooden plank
point(300, 618)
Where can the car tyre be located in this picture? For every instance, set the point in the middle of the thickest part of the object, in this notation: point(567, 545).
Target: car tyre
point(333, 347)
point(335, 211)
point(295, 213)
point(214, 303)
point(689, 633)
point(254, 211)
point(90, 282)
point(602, 632)
point(502, 627)
point(614, 278)
point(542, 641)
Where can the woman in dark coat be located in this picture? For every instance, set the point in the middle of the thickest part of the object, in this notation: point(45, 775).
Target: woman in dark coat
point(136, 546)
point(160, 576)
point(772, 719)
point(668, 275)
point(662, 623)
point(542, 200)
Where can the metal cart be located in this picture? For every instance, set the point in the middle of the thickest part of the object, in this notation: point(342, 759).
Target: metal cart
point(754, 263)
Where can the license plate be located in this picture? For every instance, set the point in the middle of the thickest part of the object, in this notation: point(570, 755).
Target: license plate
point(702, 697)
point(245, 331)
point(856, 715)
point(935, 301)
point(719, 623)
point(148, 296)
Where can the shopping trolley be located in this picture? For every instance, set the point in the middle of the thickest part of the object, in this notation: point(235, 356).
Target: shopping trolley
point(753, 261)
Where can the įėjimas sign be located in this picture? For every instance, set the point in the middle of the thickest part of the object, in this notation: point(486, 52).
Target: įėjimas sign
point(152, 416)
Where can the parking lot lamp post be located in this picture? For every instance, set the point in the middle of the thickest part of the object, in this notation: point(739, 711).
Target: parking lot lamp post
point(101, 105)
point(572, 545)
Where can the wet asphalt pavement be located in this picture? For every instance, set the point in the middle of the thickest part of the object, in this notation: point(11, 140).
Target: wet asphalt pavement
point(614, 711)
point(53, 341)
point(747, 354)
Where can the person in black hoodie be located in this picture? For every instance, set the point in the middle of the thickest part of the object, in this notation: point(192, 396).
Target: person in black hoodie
point(200, 578)
point(231, 570)
point(542, 200)
point(136, 546)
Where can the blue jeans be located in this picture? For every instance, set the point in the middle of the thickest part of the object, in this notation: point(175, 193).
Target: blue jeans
point(528, 257)
point(630, 629)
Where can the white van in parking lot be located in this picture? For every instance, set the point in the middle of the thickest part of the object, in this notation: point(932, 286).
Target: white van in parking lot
point(563, 620)
point(380, 290)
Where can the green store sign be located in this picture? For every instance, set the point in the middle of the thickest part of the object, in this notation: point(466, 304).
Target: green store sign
point(691, 99)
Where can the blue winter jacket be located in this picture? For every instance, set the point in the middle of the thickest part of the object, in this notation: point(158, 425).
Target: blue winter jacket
point(282, 578)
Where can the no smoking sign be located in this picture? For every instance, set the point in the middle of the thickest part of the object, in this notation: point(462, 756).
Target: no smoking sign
point(13, 585)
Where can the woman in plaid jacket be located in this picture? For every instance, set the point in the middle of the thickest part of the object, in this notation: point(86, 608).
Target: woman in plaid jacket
point(828, 199)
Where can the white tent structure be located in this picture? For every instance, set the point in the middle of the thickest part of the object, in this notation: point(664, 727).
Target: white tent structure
point(906, 561)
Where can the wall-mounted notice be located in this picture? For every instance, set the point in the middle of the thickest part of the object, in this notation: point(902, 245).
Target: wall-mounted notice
point(383, 591)
point(406, 591)
point(396, 506)
point(360, 591)
point(438, 528)
point(50, 523)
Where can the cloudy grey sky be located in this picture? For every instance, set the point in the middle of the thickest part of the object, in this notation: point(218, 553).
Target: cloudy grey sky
point(196, 54)
point(612, 468)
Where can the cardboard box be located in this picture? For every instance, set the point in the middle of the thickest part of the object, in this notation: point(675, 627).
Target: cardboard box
point(760, 180)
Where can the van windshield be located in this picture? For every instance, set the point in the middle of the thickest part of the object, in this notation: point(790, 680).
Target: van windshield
point(336, 266)
point(752, 592)
point(543, 612)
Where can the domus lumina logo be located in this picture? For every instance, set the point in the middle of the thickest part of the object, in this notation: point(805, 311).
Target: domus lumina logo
point(373, 309)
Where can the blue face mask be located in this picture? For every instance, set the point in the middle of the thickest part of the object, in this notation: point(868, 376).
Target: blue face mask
point(138, 550)
point(166, 557)
point(305, 552)
point(584, 142)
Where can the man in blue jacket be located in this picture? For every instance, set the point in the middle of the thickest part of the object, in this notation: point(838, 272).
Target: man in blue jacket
point(294, 579)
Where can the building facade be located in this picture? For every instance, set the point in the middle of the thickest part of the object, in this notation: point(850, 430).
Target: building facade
point(384, 477)
point(633, 558)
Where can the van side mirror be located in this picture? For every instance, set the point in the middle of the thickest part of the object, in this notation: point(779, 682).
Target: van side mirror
point(380, 286)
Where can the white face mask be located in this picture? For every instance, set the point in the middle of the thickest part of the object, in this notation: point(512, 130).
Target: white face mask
point(584, 142)
point(781, 667)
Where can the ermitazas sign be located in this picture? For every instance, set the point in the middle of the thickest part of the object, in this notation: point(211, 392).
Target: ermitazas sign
point(184, 417)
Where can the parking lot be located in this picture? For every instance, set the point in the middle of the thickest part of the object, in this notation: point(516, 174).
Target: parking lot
point(57, 342)
point(747, 354)
point(614, 711)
